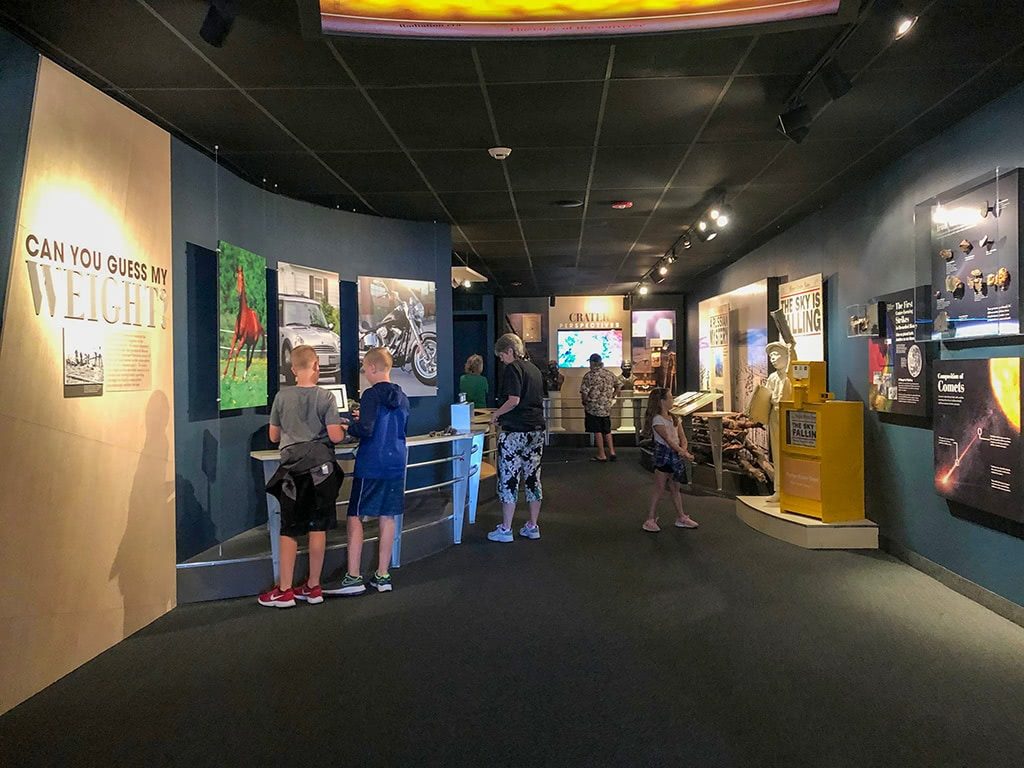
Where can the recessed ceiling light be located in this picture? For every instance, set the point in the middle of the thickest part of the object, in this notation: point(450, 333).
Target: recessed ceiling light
point(569, 203)
point(903, 25)
point(621, 205)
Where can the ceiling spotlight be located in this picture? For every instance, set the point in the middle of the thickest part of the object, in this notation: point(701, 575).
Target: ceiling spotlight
point(662, 270)
point(904, 23)
point(714, 213)
point(642, 290)
point(795, 123)
point(499, 153)
point(671, 258)
point(467, 283)
point(723, 221)
point(687, 242)
point(706, 232)
point(835, 80)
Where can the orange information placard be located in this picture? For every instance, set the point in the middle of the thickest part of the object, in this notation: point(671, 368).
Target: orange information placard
point(802, 478)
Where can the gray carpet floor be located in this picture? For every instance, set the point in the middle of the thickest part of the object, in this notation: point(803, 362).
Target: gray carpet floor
point(598, 645)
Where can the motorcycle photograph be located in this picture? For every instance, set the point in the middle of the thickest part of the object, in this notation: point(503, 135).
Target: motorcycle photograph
point(401, 332)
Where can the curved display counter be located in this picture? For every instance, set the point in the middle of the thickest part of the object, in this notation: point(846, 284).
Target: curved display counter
point(433, 520)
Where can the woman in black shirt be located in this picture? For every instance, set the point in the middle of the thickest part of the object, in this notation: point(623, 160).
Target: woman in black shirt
point(521, 441)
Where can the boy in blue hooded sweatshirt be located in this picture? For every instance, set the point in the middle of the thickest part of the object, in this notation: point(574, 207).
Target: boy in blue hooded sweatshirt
point(378, 488)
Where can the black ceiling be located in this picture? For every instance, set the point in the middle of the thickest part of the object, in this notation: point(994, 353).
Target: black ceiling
point(401, 128)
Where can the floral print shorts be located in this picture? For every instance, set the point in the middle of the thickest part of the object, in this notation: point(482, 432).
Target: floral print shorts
point(519, 454)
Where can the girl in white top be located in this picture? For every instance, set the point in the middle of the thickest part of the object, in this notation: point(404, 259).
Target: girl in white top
point(670, 449)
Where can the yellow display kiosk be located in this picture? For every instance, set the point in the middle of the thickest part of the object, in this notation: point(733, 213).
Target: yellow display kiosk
point(821, 463)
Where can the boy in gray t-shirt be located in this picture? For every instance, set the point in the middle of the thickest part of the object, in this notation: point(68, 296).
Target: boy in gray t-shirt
point(301, 417)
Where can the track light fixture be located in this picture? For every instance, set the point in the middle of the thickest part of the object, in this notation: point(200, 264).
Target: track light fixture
point(687, 241)
point(905, 22)
point(642, 290)
point(835, 80)
point(671, 257)
point(705, 231)
point(795, 123)
point(720, 215)
point(218, 22)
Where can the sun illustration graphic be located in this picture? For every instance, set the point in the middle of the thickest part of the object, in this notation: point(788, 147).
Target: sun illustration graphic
point(1004, 375)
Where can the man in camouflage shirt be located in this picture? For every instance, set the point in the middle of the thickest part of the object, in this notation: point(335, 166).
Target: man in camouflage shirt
point(598, 391)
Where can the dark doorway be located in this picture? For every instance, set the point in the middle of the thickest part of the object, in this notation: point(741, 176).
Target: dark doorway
point(470, 339)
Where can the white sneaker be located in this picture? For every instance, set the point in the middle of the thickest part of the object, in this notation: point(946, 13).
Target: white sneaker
point(530, 531)
point(504, 535)
point(686, 522)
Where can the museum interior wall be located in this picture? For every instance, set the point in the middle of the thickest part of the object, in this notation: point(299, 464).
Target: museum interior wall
point(86, 399)
point(219, 488)
point(864, 245)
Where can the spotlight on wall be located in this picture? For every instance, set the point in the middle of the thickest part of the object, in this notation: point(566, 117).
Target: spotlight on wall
point(835, 80)
point(642, 290)
point(795, 123)
point(218, 22)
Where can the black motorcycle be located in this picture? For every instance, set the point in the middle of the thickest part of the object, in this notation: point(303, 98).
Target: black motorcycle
point(400, 332)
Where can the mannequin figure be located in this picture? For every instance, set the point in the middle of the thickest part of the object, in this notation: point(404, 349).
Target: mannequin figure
point(781, 388)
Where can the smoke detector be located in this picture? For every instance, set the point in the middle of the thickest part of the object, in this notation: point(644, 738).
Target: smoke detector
point(499, 153)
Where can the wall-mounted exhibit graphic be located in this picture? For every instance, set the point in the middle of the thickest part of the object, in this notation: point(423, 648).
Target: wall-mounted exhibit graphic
point(733, 332)
point(803, 304)
point(242, 312)
point(527, 326)
point(973, 248)
point(544, 18)
point(977, 434)
point(653, 347)
point(898, 363)
point(576, 345)
point(89, 479)
point(308, 312)
point(401, 315)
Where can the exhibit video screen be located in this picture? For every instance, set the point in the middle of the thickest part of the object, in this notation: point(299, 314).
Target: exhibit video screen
point(977, 434)
point(242, 312)
point(576, 346)
point(538, 18)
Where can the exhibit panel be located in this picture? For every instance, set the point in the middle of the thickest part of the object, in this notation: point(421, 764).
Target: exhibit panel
point(803, 304)
point(899, 361)
point(308, 312)
point(242, 327)
point(88, 345)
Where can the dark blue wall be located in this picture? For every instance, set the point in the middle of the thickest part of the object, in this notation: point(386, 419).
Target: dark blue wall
point(864, 246)
point(219, 487)
point(18, 66)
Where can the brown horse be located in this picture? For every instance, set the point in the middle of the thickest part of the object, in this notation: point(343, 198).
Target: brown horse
point(248, 331)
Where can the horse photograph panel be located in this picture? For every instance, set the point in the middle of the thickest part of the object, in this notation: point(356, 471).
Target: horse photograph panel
point(242, 312)
point(308, 313)
point(401, 315)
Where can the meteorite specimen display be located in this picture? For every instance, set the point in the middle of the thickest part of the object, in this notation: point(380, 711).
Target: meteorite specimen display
point(946, 254)
point(955, 286)
point(977, 283)
point(966, 245)
point(1002, 279)
point(987, 243)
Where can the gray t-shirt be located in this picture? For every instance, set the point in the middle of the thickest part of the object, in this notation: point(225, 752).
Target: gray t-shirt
point(303, 414)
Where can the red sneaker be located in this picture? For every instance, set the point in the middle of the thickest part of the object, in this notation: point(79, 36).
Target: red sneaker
point(277, 598)
point(308, 594)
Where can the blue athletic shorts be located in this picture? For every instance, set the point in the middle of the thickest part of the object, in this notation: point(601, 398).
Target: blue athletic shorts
point(377, 498)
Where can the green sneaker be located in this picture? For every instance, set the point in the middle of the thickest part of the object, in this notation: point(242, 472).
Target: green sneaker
point(381, 583)
point(350, 585)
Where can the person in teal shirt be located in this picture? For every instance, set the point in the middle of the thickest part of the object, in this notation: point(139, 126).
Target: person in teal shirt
point(473, 384)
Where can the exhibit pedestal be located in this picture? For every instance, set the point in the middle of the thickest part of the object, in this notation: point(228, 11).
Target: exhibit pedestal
point(805, 532)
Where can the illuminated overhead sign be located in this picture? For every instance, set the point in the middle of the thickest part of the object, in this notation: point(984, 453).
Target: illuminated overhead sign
point(550, 18)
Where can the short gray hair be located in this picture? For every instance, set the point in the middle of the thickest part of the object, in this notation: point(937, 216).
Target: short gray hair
point(510, 341)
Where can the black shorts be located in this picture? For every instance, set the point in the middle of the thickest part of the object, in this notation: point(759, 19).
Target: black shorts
point(304, 517)
point(598, 424)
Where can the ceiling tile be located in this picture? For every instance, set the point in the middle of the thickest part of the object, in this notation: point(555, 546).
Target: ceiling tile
point(678, 56)
point(436, 118)
point(376, 171)
point(636, 167)
point(542, 249)
point(749, 110)
point(419, 206)
point(658, 111)
point(327, 119)
point(543, 60)
point(224, 118)
point(492, 230)
point(461, 170)
point(546, 114)
point(792, 52)
point(727, 164)
point(541, 205)
point(550, 229)
point(478, 206)
point(379, 62)
point(534, 168)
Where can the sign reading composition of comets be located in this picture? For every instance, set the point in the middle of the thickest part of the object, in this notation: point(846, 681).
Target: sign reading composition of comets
point(541, 18)
point(977, 434)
